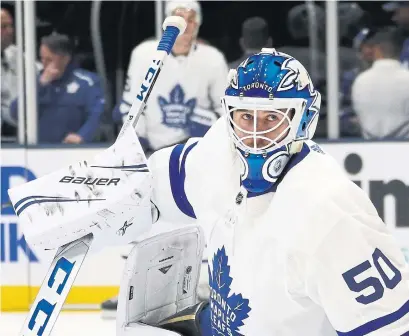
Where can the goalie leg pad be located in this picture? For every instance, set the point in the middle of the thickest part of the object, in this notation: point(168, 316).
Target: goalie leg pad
point(160, 277)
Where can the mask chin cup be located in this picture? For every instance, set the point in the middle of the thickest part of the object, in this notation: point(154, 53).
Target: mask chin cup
point(260, 172)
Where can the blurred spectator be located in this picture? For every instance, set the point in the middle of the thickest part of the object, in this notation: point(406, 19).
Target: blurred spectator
point(380, 95)
point(400, 10)
point(299, 24)
point(362, 44)
point(307, 17)
point(9, 80)
point(185, 100)
point(8, 73)
point(254, 37)
point(70, 99)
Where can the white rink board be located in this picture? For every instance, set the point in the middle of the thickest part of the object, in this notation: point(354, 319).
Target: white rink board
point(384, 166)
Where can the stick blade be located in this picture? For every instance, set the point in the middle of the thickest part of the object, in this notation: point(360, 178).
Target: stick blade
point(55, 287)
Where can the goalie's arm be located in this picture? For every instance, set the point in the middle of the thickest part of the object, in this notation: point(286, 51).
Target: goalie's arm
point(358, 273)
point(168, 167)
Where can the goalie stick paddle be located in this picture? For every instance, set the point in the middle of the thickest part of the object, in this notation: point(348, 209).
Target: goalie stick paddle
point(69, 258)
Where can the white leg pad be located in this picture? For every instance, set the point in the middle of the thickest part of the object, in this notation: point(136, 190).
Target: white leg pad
point(161, 276)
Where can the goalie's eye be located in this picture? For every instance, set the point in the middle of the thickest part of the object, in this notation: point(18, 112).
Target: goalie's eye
point(272, 117)
point(247, 116)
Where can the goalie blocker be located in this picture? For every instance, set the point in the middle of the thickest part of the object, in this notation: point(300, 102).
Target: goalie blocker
point(158, 292)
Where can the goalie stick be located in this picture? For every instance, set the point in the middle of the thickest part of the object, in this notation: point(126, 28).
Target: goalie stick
point(69, 257)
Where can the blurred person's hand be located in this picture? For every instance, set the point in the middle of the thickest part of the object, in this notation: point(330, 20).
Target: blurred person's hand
point(72, 138)
point(50, 74)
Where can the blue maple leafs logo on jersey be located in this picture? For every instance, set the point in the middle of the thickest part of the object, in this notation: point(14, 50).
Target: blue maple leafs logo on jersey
point(176, 111)
point(228, 310)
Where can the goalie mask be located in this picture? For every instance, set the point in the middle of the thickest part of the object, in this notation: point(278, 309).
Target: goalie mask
point(272, 108)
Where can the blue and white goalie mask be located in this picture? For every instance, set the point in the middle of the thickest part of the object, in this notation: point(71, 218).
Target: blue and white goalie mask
point(272, 108)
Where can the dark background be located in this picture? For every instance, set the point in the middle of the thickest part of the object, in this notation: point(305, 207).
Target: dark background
point(124, 24)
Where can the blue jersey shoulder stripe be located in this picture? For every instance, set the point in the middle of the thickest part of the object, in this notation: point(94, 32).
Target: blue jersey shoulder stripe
point(379, 323)
point(177, 175)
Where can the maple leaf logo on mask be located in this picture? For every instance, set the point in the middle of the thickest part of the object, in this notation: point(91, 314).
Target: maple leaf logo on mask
point(228, 310)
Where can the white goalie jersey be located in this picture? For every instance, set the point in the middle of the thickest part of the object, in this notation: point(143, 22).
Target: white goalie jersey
point(312, 257)
point(185, 100)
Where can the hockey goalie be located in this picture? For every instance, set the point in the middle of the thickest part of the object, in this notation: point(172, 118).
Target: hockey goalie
point(293, 246)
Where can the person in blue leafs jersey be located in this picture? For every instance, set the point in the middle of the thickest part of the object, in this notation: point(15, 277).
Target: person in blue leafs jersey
point(185, 100)
point(70, 99)
point(400, 10)
point(294, 246)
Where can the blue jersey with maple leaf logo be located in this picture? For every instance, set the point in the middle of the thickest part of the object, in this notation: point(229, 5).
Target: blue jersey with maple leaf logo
point(176, 109)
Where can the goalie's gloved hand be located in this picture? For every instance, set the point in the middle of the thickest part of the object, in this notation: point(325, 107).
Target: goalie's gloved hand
point(190, 321)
